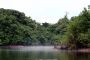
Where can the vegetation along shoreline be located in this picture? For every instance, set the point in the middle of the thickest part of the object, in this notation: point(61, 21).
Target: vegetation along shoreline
point(18, 29)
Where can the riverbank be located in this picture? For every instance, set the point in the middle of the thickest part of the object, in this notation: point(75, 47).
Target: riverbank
point(87, 50)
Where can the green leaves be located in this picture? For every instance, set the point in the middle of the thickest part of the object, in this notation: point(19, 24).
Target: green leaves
point(18, 29)
point(12, 26)
point(78, 29)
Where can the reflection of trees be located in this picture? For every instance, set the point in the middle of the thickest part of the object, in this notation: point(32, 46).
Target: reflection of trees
point(73, 56)
point(26, 55)
point(65, 56)
point(81, 56)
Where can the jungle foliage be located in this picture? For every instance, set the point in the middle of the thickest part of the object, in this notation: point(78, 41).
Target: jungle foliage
point(18, 29)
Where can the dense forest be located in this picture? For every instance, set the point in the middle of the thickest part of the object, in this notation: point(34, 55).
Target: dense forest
point(18, 29)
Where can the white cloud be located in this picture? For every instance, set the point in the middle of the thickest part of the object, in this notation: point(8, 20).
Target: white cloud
point(46, 10)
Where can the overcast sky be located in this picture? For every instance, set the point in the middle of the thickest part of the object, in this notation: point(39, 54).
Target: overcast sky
point(46, 10)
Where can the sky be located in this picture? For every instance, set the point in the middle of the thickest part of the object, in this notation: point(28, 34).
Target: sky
point(46, 10)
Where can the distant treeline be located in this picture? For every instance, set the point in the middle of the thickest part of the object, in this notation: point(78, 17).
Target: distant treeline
point(18, 29)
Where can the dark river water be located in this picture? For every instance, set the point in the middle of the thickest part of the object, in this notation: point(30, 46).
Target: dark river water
point(40, 53)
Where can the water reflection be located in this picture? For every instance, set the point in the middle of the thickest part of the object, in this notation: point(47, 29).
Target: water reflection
point(18, 54)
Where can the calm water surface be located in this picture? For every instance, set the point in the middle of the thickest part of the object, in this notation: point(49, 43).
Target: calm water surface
point(39, 53)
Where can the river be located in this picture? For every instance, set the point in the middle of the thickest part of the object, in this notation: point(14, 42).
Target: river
point(40, 53)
